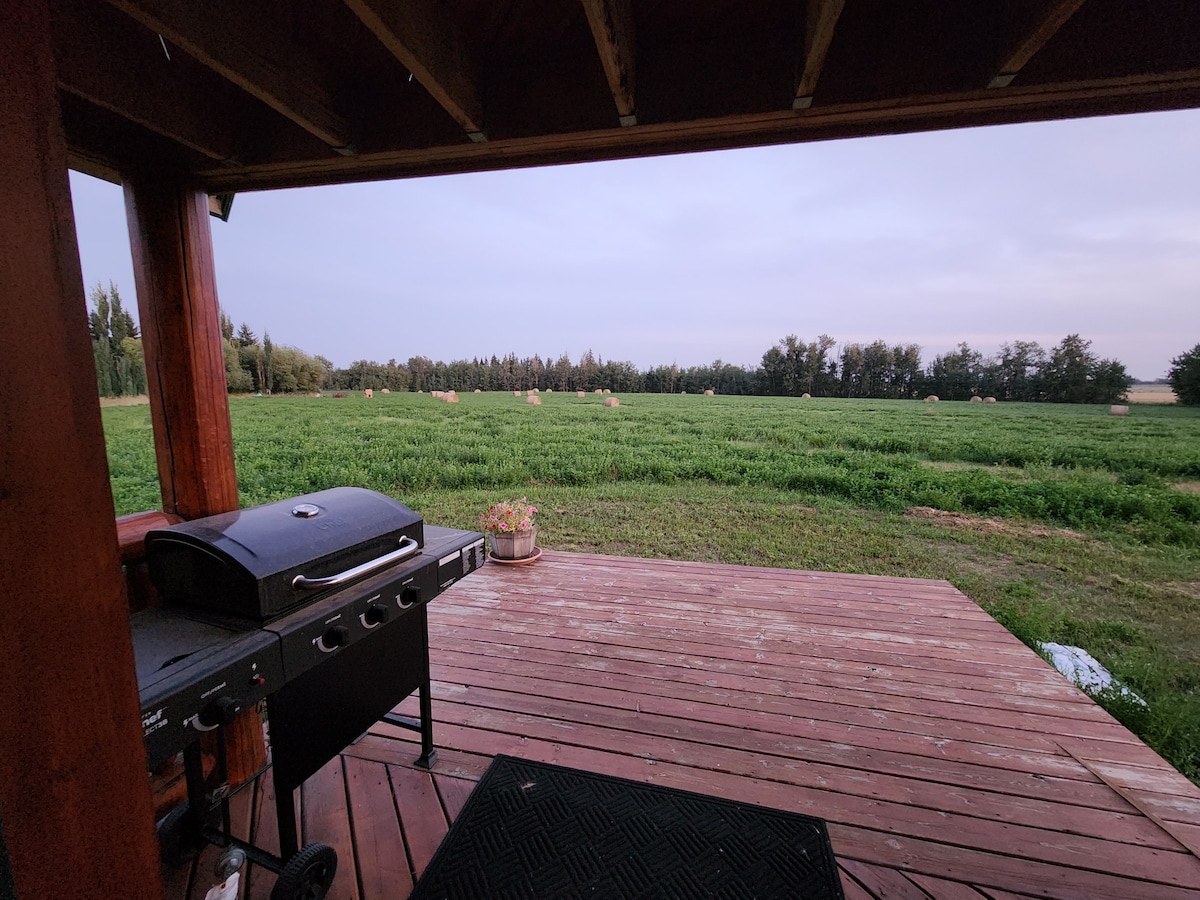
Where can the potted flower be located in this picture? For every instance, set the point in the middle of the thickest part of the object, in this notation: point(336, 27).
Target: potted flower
point(511, 529)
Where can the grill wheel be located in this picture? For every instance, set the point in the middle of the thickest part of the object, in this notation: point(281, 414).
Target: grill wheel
point(308, 875)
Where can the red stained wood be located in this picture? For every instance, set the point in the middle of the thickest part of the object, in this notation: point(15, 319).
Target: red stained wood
point(131, 532)
point(941, 889)
point(379, 846)
point(72, 764)
point(833, 765)
point(454, 793)
point(420, 813)
point(700, 697)
point(922, 803)
point(852, 889)
point(185, 364)
point(326, 819)
point(881, 881)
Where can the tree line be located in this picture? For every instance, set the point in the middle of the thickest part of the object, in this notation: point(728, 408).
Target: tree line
point(1022, 370)
point(1069, 372)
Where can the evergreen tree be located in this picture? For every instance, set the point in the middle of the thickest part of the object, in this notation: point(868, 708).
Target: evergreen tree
point(116, 345)
point(1184, 377)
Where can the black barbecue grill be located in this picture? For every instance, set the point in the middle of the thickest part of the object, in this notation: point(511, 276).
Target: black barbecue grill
point(315, 604)
point(258, 563)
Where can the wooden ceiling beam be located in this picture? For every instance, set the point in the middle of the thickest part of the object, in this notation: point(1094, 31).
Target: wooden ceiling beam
point(818, 35)
point(236, 42)
point(612, 27)
point(97, 61)
point(1055, 17)
point(1173, 90)
point(421, 35)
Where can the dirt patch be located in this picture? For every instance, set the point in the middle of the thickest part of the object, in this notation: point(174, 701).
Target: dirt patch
point(1187, 487)
point(988, 525)
point(1151, 393)
point(1190, 588)
point(124, 401)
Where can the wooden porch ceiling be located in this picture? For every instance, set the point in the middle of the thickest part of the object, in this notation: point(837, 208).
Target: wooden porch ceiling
point(279, 94)
point(949, 761)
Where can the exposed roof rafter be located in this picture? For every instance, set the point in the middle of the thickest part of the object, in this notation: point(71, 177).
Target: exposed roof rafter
point(95, 62)
point(818, 35)
point(424, 39)
point(612, 27)
point(1055, 16)
point(1100, 96)
point(239, 45)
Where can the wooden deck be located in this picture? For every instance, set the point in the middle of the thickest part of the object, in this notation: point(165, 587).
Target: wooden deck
point(948, 759)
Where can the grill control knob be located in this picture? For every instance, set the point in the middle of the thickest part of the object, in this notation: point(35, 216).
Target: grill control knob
point(337, 636)
point(376, 614)
point(410, 595)
point(221, 711)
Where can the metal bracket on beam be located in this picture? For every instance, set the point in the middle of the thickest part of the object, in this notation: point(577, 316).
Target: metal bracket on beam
point(348, 150)
point(628, 121)
point(1001, 81)
point(802, 102)
point(478, 137)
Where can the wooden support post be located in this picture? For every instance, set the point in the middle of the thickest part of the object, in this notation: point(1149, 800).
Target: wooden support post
point(181, 334)
point(176, 283)
point(74, 801)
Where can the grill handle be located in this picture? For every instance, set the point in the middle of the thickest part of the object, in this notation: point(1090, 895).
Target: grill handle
point(407, 548)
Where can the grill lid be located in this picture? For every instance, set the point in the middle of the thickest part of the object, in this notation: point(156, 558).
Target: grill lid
point(261, 561)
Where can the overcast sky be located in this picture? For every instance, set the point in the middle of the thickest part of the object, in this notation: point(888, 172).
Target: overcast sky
point(983, 235)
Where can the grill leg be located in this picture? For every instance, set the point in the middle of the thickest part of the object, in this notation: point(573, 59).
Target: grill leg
point(285, 815)
point(428, 755)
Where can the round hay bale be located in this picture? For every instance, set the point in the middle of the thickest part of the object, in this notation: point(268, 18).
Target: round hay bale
point(611, 401)
point(976, 399)
point(597, 391)
point(607, 391)
point(368, 393)
point(534, 399)
point(806, 396)
point(386, 391)
point(1116, 410)
point(450, 398)
point(708, 393)
point(516, 393)
point(478, 391)
point(436, 395)
point(989, 399)
point(549, 390)
point(932, 398)
point(580, 394)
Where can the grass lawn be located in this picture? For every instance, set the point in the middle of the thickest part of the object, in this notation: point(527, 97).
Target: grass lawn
point(1065, 523)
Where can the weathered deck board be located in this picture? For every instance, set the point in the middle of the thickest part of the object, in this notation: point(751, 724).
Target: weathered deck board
point(949, 760)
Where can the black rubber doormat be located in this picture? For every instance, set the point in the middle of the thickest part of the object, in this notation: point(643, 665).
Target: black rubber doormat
point(532, 831)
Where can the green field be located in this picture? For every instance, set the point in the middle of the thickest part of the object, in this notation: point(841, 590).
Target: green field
point(1064, 522)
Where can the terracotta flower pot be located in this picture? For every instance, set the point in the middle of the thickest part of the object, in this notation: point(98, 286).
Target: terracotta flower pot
point(513, 544)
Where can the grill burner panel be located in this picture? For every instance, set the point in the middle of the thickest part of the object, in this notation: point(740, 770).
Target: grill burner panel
point(247, 563)
point(194, 676)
